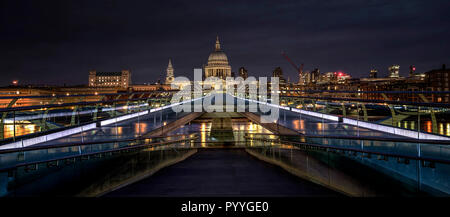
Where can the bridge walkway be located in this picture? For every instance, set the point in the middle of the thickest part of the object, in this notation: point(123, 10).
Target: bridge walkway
point(222, 172)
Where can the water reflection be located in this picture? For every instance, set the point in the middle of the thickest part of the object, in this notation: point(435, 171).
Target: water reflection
point(429, 126)
point(205, 130)
point(248, 127)
point(140, 128)
point(443, 128)
point(21, 128)
point(296, 124)
point(119, 130)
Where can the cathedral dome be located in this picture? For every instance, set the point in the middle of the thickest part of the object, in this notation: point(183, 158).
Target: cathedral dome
point(218, 57)
point(218, 65)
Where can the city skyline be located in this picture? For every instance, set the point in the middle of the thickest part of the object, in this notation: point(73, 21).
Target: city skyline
point(348, 36)
point(247, 108)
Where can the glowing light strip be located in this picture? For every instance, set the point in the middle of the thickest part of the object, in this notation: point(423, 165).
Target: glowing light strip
point(48, 137)
point(63, 114)
point(80, 129)
point(394, 130)
point(310, 113)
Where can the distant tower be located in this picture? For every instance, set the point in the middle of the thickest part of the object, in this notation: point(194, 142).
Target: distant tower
point(278, 72)
point(169, 71)
point(243, 73)
point(315, 75)
point(300, 75)
point(373, 73)
point(394, 71)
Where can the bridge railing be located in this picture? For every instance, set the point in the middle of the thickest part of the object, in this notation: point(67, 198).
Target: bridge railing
point(423, 165)
point(413, 114)
point(91, 162)
point(51, 154)
point(77, 112)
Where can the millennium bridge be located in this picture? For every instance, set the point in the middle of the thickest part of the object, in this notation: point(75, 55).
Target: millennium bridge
point(135, 144)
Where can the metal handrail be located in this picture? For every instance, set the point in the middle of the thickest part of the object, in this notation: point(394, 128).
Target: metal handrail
point(70, 104)
point(393, 102)
point(354, 150)
point(366, 138)
point(62, 145)
point(370, 91)
point(93, 153)
point(84, 95)
point(7, 140)
point(165, 91)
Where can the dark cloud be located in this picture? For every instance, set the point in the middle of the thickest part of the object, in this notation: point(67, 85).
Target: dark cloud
point(57, 42)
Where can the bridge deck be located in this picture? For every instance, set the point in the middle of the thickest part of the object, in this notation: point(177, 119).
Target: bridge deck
point(222, 172)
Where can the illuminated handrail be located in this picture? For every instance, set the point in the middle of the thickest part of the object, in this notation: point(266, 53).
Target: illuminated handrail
point(369, 91)
point(70, 104)
point(63, 145)
point(327, 147)
point(392, 102)
point(366, 138)
point(127, 148)
point(78, 112)
point(166, 91)
point(84, 95)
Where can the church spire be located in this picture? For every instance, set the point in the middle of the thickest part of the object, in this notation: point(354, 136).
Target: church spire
point(170, 63)
point(217, 44)
point(169, 72)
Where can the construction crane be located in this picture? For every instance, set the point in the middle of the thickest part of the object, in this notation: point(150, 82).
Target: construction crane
point(299, 70)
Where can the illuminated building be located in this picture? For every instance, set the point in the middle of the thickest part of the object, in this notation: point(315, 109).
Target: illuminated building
point(304, 78)
point(218, 65)
point(373, 73)
point(341, 77)
point(110, 79)
point(394, 71)
point(328, 77)
point(315, 76)
point(438, 80)
point(278, 72)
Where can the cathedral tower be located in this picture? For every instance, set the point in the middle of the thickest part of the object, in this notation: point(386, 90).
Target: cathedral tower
point(169, 72)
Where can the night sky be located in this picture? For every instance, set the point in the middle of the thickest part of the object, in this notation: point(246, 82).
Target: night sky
point(57, 42)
